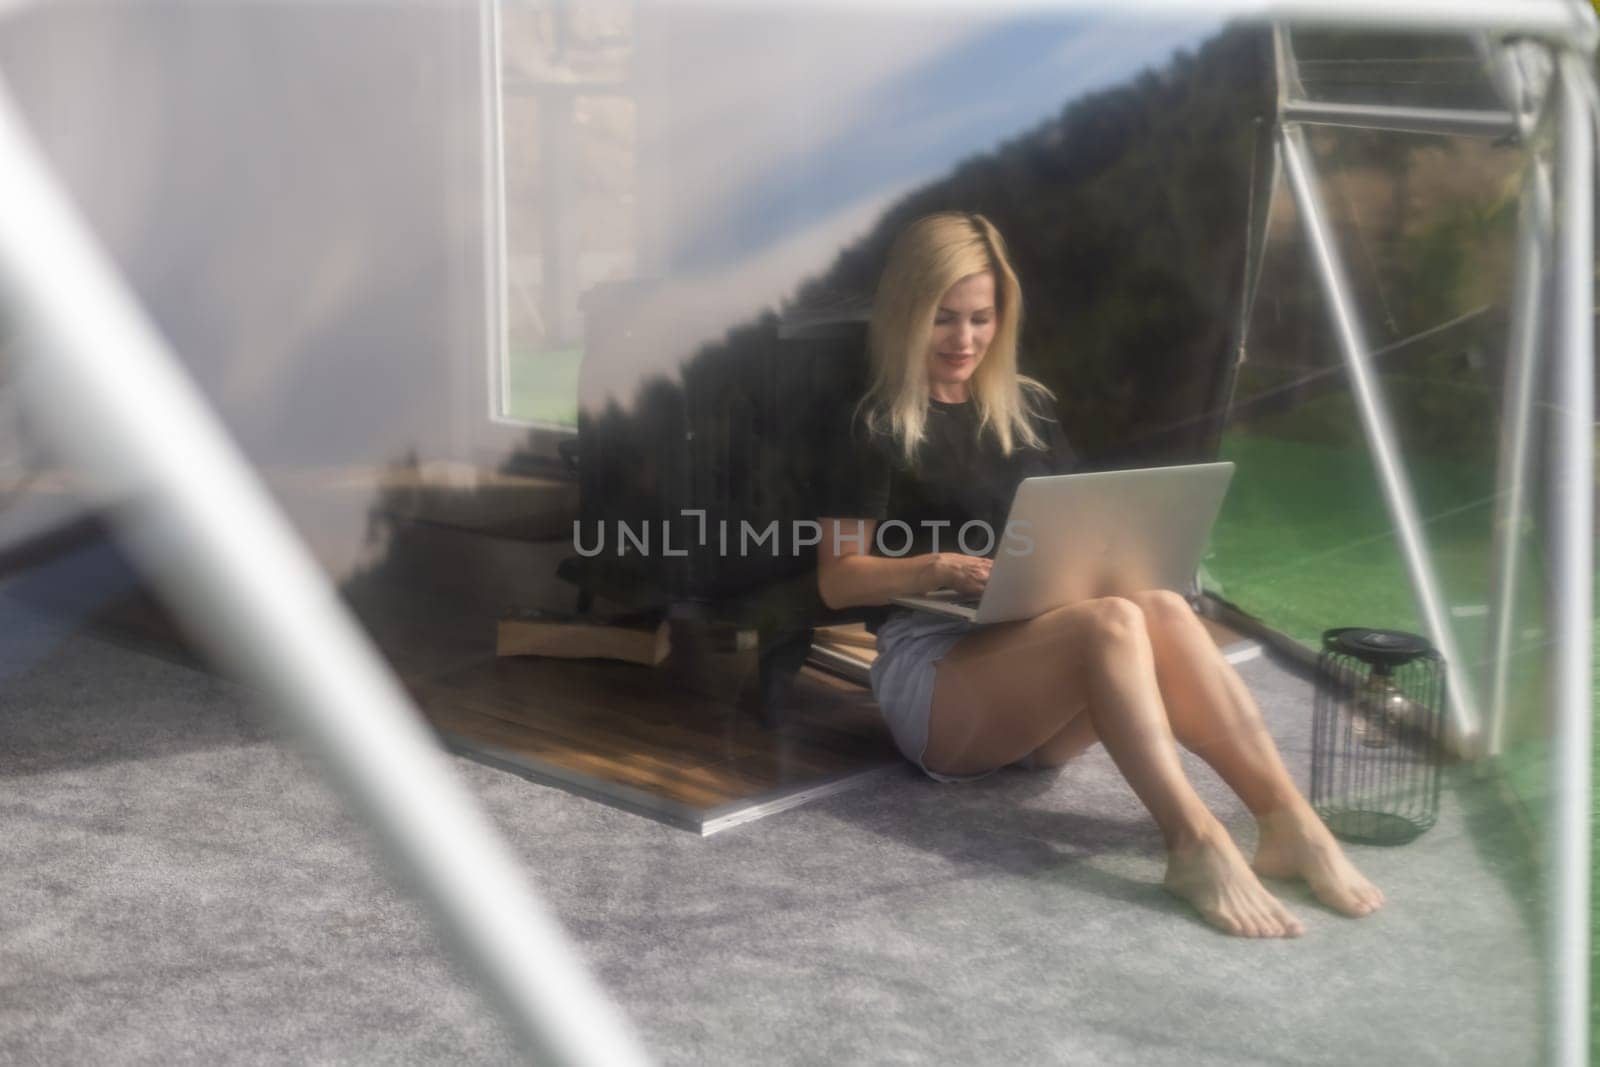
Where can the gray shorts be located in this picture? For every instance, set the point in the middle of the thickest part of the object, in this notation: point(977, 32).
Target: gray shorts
point(910, 646)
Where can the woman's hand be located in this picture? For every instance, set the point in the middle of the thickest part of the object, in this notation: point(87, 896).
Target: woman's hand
point(848, 577)
point(965, 574)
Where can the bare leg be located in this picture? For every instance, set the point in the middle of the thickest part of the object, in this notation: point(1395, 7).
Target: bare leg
point(1214, 716)
point(1002, 693)
point(1068, 743)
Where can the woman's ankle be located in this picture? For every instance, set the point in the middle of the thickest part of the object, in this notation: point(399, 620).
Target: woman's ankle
point(1195, 833)
point(1288, 815)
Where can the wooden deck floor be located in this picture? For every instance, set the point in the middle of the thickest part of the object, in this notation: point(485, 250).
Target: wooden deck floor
point(620, 733)
point(628, 735)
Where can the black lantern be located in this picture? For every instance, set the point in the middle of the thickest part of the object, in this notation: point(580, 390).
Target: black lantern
point(1377, 735)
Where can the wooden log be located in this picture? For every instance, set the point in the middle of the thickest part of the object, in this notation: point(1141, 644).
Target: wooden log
point(583, 640)
point(852, 635)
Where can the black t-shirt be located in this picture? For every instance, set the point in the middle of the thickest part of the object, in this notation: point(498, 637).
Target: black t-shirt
point(957, 478)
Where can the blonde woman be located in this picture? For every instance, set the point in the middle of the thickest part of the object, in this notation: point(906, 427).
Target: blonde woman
point(946, 431)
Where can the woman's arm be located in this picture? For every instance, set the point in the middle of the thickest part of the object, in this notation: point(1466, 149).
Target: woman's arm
point(847, 576)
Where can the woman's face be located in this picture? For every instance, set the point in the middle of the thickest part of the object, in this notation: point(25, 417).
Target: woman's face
point(963, 326)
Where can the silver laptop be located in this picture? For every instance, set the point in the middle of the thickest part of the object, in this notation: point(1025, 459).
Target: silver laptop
point(1073, 537)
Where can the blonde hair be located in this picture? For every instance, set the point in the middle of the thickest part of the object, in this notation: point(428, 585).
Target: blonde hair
point(931, 255)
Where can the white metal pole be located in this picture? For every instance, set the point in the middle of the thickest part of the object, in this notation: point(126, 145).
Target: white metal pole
point(1511, 490)
point(1561, 20)
point(1285, 65)
point(1463, 723)
point(112, 401)
point(1459, 122)
point(492, 156)
point(1570, 23)
point(1573, 561)
point(1258, 223)
point(1500, 67)
point(1566, 21)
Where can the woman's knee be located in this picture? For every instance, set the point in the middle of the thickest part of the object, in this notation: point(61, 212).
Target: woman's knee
point(1163, 607)
point(1171, 620)
point(1115, 618)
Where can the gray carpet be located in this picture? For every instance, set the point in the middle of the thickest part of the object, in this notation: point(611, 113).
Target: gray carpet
point(180, 886)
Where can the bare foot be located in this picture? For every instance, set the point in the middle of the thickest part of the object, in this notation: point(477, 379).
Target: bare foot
point(1296, 844)
point(1214, 877)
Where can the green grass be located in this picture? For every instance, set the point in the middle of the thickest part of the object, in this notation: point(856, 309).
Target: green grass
point(1305, 543)
point(543, 385)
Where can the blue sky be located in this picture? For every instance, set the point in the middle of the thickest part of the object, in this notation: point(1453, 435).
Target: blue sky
point(998, 80)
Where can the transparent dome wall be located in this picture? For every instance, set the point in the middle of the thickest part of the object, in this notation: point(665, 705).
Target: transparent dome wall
point(471, 285)
point(1426, 228)
point(1430, 230)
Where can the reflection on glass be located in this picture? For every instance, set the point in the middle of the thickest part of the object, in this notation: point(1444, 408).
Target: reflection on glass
point(1425, 226)
point(698, 205)
point(571, 170)
point(698, 202)
point(702, 166)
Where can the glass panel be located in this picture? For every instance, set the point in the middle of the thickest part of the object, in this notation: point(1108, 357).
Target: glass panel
point(571, 159)
point(588, 548)
point(1395, 70)
point(1425, 229)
